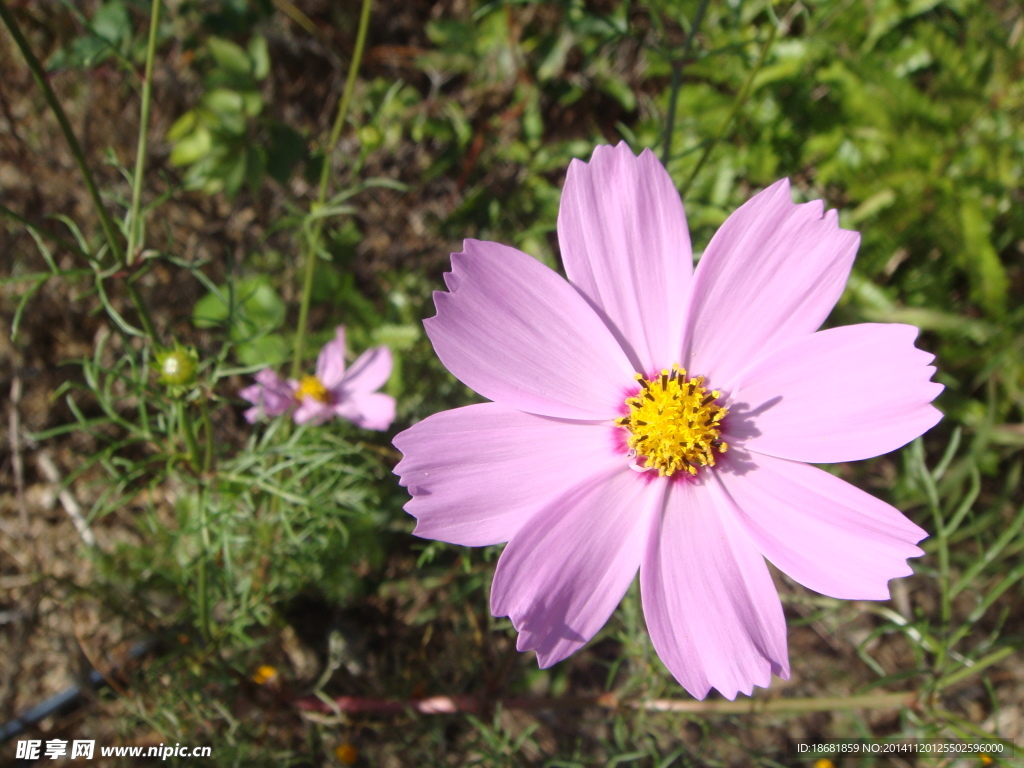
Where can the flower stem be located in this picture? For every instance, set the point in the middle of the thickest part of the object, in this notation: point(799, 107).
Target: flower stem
point(144, 316)
point(313, 238)
point(39, 74)
point(677, 77)
point(741, 99)
point(204, 409)
point(436, 705)
point(204, 590)
point(188, 432)
point(140, 152)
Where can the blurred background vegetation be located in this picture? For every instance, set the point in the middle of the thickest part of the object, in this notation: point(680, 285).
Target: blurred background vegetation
point(271, 563)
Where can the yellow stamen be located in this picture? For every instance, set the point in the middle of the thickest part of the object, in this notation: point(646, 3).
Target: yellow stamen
point(311, 386)
point(674, 423)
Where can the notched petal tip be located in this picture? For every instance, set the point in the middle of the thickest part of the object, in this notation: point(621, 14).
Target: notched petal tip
point(625, 245)
point(821, 531)
point(564, 572)
point(772, 273)
point(841, 394)
point(711, 608)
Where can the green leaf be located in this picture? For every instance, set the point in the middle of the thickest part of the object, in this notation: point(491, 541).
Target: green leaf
point(877, 202)
point(252, 103)
point(183, 126)
point(989, 283)
point(257, 309)
point(397, 337)
point(227, 108)
point(112, 23)
point(553, 63)
point(229, 56)
point(232, 170)
point(268, 350)
point(110, 31)
point(224, 101)
point(260, 57)
point(192, 147)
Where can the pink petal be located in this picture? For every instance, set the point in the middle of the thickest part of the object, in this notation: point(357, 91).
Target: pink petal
point(369, 372)
point(713, 613)
point(625, 245)
point(477, 474)
point(270, 395)
point(369, 410)
point(330, 366)
point(771, 273)
point(825, 533)
point(517, 333)
point(837, 395)
point(565, 570)
point(313, 411)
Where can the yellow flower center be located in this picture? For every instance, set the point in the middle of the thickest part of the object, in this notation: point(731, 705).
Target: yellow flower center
point(674, 423)
point(311, 386)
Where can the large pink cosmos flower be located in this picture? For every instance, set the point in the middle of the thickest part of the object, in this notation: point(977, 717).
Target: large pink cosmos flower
point(650, 417)
point(333, 392)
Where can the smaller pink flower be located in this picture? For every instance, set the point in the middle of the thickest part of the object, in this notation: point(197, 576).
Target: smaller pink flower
point(333, 392)
point(348, 394)
point(270, 396)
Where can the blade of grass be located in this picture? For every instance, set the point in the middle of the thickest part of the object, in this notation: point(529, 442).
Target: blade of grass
point(140, 152)
point(989, 555)
point(313, 239)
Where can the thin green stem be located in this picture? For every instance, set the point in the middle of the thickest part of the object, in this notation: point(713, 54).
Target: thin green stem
point(741, 99)
point(917, 466)
point(109, 231)
point(188, 432)
point(144, 317)
point(140, 152)
point(313, 240)
point(677, 78)
point(204, 589)
point(204, 410)
point(64, 243)
point(307, 294)
point(942, 543)
point(974, 669)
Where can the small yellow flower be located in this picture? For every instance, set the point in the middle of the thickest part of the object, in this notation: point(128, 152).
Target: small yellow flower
point(346, 753)
point(824, 762)
point(264, 674)
point(986, 759)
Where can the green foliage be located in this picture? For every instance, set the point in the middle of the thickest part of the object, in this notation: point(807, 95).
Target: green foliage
point(250, 310)
point(109, 34)
point(907, 114)
point(222, 142)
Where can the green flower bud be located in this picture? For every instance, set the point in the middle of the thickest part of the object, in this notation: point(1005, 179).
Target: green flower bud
point(370, 137)
point(177, 367)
